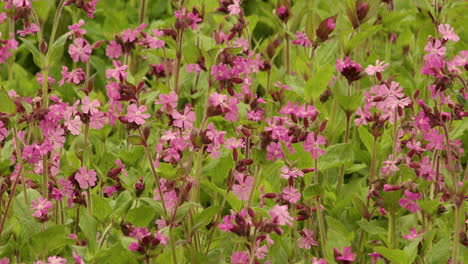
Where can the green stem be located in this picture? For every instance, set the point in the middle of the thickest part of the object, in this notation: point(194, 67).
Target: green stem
point(142, 11)
point(320, 214)
point(215, 225)
point(58, 12)
point(286, 37)
point(392, 223)
point(172, 244)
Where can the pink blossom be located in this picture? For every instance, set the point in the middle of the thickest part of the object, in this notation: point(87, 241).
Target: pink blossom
point(434, 47)
point(287, 173)
point(113, 50)
point(76, 76)
point(90, 107)
point(241, 43)
point(302, 40)
point(118, 73)
point(240, 258)
point(28, 30)
point(56, 260)
point(347, 255)
point(233, 143)
point(312, 144)
point(193, 68)
point(3, 131)
point(409, 203)
point(122, 167)
point(77, 30)
point(221, 72)
point(243, 186)
point(436, 140)
point(235, 9)
point(282, 86)
point(448, 33)
point(413, 234)
point(291, 194)
point(42, 207)
point(184, 120)
point(307, 239)
point(77, 258)
point(379, 67)
point(318, 261)
point(97, 120)
point(375, 257)
point(74, 125)
point(136, 114)
point(274, 151)
point(80, 50)
point(168, 101)
point(280, 214)
point(86, 178)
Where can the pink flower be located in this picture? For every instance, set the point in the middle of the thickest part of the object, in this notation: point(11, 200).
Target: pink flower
point(86, 178)
point(74, 125)
point(287, 173)
point(221, 72)
point(346, 257)
point(42, 207)
point(77, 258)
point(307, 240)
point(412, 235)
point(90, 107)
point(28, 30)
point(448, 33)
point(122, 167)
point(282, 86)
point(312, 144)
point(184, 120)
point(240, 258)
point(234, 9)
point(76, 76)
point(193, 68)
point(168, 101)
point(80, 50)
point(291, 195)
point(3, 131)
point(302, 40)
point(118, 73)
point(375, 257)
point(77, 30)
point(274, 151)
point(226, 225)
point(436, 140)
point(56, 260)
point(434, 47)
point(280, 214)
point(98, 120)
point(379, 67)
point(243, 186)
point(318, 261)
point(113, 50)
point(409, 202)
point(4, 260)
point(234, 143)
point(135, 114)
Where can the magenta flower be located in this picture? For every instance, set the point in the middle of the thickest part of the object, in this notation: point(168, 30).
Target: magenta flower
point(193, 68)
point(349, 69)
point(74, 125)
point(118, 73)
point(302, 40)
point(312, 144)
point(42, 207)
point(409, 202)
point(234, 9)
point(287, 173)
point(3, 131)
point(280, 214)
point(243, 186)
point(86, 178)
point(76, 76)
point(434, 48)
point(80, 50)
point(90, 107)
point(346, 257)
point(184, 120)
point(136, 114)
point(274, 151)
point(56, 260)
point(240, 258)
point(76, 29)
point(307, 240)
point(436, 140)
point(233, 143)
point(375, 257)
point(318, 261)
point(113, 50)
point(28, 30)
point(413, 234)
point(379, 67)
point(221, 72)
point(448, 33)
point(291, 194)
point(168, 101)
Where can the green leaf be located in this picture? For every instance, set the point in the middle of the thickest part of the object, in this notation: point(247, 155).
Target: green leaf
point(38, 57)
point(135, 140)
point(313, 191)
point(6, 104)
point(349, 103)
point(52, 238)
point(318, 83)
point(141, 216)
point(89, 227)
point(412, 250)
point(204, 217)
point(360, 206)
point(361, 36)
point(122, 203)
point(56, 51)
point(101, 207)
point(440, 252)
point(336, 155)
point(395, 256)
point(371, 227)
